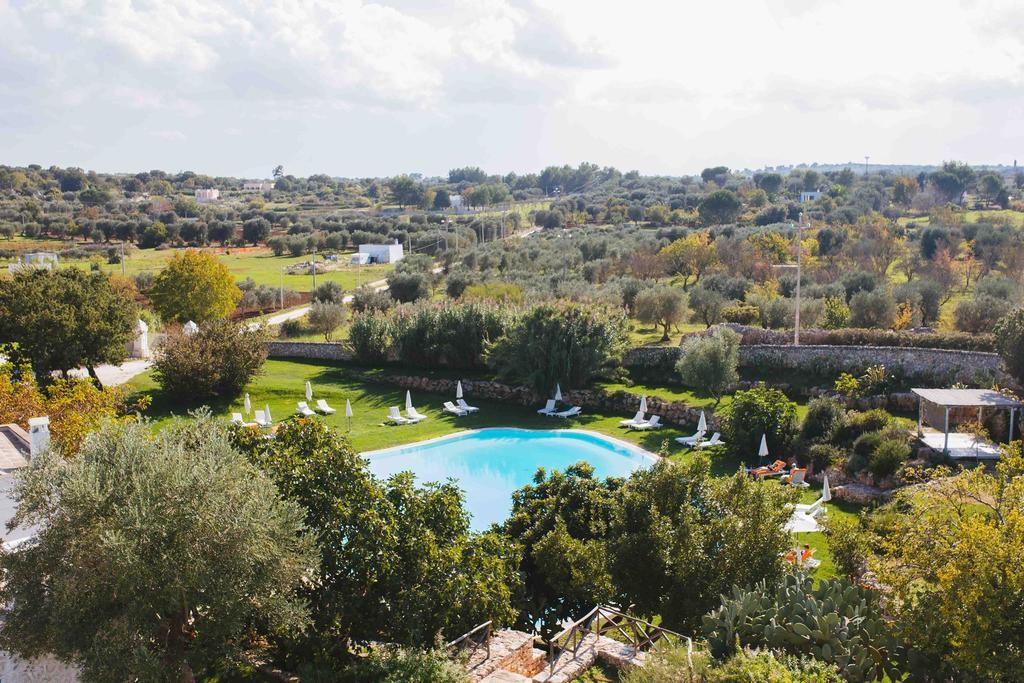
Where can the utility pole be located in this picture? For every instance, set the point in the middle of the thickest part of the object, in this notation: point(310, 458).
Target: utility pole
point(799, 274)
point(122, 258)
point(314, 267)
point(281, 290)
point(866, 157)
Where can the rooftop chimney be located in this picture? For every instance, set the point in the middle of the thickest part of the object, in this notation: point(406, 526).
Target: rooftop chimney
point(39, 433)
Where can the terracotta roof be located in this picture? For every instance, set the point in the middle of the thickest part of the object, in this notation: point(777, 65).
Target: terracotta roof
point(15, 447)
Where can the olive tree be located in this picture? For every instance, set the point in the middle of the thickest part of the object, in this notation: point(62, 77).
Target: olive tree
point(154, 554)
point(325, 317)
point(710, 363)
point(664, 306)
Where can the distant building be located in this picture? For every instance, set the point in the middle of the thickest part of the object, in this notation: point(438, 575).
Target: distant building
point(378, 253)
point(809, 196)
point(210, 195)
point(257, 186)
point(38, 259)
point(456, 201)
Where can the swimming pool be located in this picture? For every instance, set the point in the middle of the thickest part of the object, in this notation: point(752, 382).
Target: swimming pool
point(490, 464)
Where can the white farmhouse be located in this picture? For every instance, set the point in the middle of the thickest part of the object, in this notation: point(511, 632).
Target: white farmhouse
point(207, 195)
point(257, 186)
point(379, 253)
point(40, 259)
point(809, 196)
point(456, 201)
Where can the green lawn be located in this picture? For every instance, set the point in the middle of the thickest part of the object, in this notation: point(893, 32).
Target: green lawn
point(675, 392)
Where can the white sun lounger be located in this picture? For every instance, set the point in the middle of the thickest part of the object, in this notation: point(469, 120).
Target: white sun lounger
point(261, 419)
point(635, 420)
point(653, 423)
point(548, 409)
point(395, 417)
point(571, 412)
point(414, 415)
point(450, 407)
point(321, 405)
point(236, 419)
point(690, 440)
point(304, 409)
point(465, 406)
point(715, 440)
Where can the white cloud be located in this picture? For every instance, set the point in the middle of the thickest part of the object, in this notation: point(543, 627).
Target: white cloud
point(526, 82)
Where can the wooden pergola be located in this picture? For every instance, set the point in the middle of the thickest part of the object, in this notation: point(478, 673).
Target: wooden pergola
point(948, 399)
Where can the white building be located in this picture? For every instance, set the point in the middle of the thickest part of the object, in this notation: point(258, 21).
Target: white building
point(39, 259)
point(809, 196)
point(257, 186)
point(210, 195)
point(456, 201)
point(379, 253)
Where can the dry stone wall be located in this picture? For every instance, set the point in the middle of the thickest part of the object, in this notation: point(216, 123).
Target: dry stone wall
point(310, 350)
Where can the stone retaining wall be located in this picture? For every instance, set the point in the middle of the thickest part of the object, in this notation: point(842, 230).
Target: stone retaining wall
point(929, 366)
point(311, 350)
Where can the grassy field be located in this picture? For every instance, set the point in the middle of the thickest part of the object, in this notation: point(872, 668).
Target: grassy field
point(260, 264)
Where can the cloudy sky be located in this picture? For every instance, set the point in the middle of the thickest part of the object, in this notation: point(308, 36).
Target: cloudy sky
point(355, 88)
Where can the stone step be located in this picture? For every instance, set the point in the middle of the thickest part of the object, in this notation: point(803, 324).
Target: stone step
point(502, 676)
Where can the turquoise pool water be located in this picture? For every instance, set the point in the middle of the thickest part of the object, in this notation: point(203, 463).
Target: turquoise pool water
point(490, 464)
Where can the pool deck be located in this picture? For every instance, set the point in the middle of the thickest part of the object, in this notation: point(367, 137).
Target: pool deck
point(633, 448)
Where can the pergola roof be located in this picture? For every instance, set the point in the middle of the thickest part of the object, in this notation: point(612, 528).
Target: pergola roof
point(971, 398)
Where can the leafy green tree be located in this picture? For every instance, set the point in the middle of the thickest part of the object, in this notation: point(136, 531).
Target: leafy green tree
point(566, 343)
point(398, 562)
point(256, 230)
point(873, 309)
point(769, 182)
point(665, 306)
point(561, 523)
point(716, 174)
point(707, 305)
point(326, 317)
point(691, 256)
point(195, 285)
point(980, 314)
point(214, 363)
point(406, 191)
point(709, 363)
point(682, 536)
point(718, 207)
point(408, 286)
point(64, 319)
point(761, 410)
point(956, 596)
point(836, 314)
point(1009, 337)
point(154, 556)
point(398, 665)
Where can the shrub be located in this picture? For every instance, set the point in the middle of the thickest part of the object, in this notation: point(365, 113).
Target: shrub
point(834, 621)
point(872, 309)
point(1009, 342)
point(855, 463)
point(567, 343)
point(761, 410)
point(456, 285)
point(292, 328)
point(824, 455)
point(369, 335)
point(393, 665)
point(741, 314)
point(887, 457)
point(451, 335)
point(678, 665)
point(848, 545)
point(865, 444)
point(824, 416)
point(215, 362)
point(980, 314)
point(710, 363)
point(836, 314)
point(325, 317)
point(858, 423)
point(847, 385)
point(195, 285)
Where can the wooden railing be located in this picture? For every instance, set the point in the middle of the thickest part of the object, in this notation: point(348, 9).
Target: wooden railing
point(608, 621)
point(472, 641)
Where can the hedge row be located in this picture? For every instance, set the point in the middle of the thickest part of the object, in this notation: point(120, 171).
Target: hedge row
point(952, 341)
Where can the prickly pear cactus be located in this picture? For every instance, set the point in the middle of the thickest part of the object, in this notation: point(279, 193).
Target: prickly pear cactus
point(837, 622)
